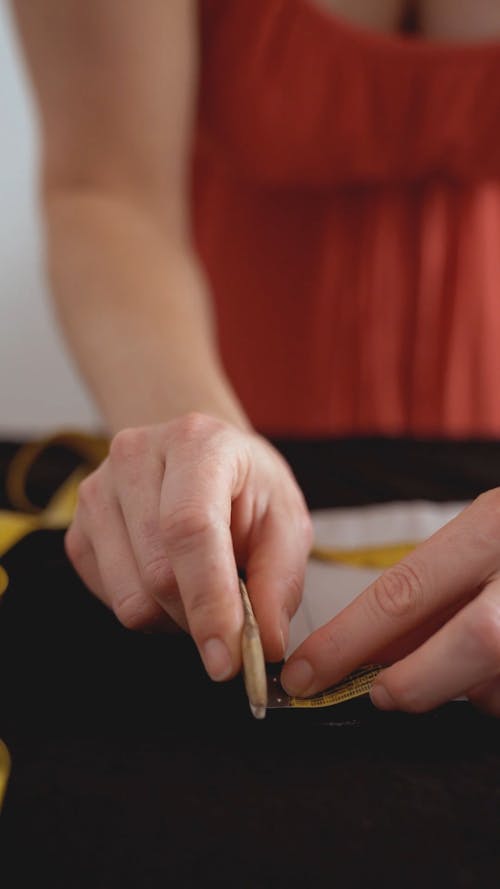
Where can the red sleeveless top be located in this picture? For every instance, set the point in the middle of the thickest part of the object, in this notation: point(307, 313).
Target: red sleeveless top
point(346, 206)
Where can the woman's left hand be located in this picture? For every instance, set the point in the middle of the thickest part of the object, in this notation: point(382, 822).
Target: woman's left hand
point(435, 617)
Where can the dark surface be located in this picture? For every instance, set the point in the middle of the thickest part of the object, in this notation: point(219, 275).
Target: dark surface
point(130, 769)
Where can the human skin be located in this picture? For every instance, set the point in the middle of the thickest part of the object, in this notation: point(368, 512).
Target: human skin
point(435, 617)
point(189, 490)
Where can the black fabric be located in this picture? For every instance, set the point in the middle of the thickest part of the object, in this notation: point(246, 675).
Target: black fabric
point(357, 471)
point(131, 769)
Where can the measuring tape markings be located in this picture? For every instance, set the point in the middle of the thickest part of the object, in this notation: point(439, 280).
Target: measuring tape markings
point(354, 686)
point(60, 510)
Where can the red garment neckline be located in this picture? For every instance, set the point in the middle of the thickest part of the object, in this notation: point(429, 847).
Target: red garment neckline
point(396, 41)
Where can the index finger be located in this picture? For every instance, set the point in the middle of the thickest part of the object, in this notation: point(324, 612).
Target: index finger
point(448, 567)
point(195, 520)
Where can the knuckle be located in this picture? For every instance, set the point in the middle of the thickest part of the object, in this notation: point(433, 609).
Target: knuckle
point(135, 611)
point(129, 444)
point(194, 425)
point(398, 592)
point(209, 612)
point(306, 529)
point(406, 695)
point(200, 607)
point(171, 600)
point(157, 576)
point(148, 535)
point(186, 525)
point(293, 584)
point(484, 630)
point(74, 545)
point(89, 492)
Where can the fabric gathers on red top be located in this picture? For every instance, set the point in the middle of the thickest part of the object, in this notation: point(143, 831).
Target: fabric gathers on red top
point(346, 207)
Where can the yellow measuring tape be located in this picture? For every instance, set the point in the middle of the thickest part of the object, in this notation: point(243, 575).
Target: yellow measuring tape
point(354, 686)
point(25, 518)
point(57, 515)
point(358, 683)
point(379, 557)
point(4, 770)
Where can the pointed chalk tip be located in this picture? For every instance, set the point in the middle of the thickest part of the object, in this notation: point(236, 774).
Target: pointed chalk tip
point(258, 711)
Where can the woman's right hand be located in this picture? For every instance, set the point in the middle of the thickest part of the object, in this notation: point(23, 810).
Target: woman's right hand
point(163, 523)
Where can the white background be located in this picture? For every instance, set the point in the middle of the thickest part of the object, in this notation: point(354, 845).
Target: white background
point(39, 389)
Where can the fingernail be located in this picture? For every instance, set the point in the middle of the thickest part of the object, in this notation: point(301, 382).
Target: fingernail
point(285, 629)
point(217, 659)
point(381, 698)
point(297, 677)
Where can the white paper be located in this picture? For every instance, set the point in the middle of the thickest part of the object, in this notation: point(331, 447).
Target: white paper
point(330, 587)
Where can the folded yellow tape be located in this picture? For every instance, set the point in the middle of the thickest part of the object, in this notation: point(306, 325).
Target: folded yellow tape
point(4, 770)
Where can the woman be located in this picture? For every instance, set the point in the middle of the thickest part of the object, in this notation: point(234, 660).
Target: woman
point(264, 216)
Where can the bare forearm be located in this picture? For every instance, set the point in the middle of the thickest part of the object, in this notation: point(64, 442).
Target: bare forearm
point(133, 304)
